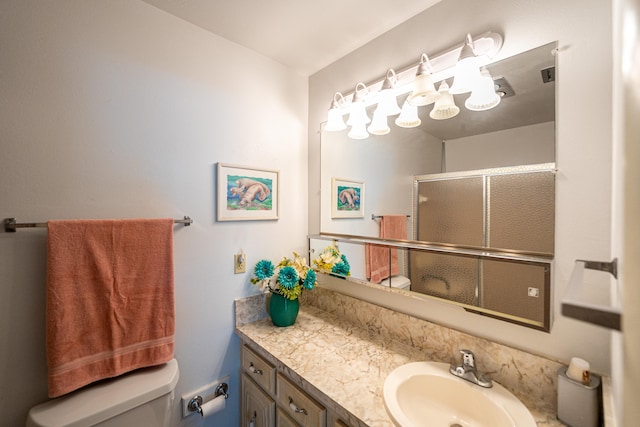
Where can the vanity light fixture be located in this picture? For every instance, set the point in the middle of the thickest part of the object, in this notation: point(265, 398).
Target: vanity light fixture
point(379, 125)
point(358, 131)
point(358, 109)
point(418, 83)
point(467, 70)
point(335, 121)
point(408, 117)
point(445, 107)
point(424, 91)
point(484, 96)
point(388, 103)
point(358, 117)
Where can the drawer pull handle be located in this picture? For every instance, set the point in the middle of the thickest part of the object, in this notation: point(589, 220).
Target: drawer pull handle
point(295, 409)
point(253, 370)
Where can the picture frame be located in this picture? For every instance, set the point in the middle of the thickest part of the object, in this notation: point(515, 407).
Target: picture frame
point(347, 198)
point(247, 193)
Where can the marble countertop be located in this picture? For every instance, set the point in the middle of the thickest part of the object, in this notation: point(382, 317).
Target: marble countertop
point(347, 363)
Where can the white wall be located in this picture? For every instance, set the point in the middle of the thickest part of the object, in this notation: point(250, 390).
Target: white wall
point(583, 130)
point(118, 110)
point(626, 208)
point(526, 145)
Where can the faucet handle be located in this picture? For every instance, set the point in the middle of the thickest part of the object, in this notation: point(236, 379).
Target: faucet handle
point(468, 358)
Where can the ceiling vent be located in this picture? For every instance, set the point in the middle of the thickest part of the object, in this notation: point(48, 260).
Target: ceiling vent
point(503, 88)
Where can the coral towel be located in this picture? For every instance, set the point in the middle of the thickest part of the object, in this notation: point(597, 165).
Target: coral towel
point(377, 257)
point(110, 299)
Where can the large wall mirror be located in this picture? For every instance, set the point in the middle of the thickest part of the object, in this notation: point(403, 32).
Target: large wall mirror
point(518, 135)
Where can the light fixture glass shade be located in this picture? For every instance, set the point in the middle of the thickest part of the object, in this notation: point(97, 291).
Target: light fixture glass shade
point(408, 117)
point(388, 104)
point(379, 124)
point(358, 131)
point(467, 70)
point(445, 107)
point(358, 114)
point(424, 91)
point(358, 111)
point(484, 96)
point(335, 121)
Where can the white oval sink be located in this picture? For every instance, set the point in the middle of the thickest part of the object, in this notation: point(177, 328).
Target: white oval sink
point(424, 394)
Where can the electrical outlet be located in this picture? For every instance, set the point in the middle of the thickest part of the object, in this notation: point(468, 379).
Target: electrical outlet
point(240, 263)
point(534, 292)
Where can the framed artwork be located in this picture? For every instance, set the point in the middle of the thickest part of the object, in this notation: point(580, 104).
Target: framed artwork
point(347, 198)
point(246, 193)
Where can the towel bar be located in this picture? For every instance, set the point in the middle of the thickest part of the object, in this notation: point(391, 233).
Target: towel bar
point(575, 306)
point(374, 216)
point(11, 226)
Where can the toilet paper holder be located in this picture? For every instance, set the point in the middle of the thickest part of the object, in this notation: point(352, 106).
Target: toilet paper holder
point(205, 394)
point(195, 404)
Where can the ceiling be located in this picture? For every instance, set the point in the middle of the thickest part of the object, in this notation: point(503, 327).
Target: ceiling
point(304, 35)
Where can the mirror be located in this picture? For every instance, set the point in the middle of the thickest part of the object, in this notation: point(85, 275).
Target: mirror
point(519, 131)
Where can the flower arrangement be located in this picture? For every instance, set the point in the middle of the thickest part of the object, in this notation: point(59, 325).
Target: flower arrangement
point(289, 278)
point(332, 261)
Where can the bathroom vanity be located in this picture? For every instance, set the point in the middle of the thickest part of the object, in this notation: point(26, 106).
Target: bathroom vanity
point(270, 394)
point(334, 360)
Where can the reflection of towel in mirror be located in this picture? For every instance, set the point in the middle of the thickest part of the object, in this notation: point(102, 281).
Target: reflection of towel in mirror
point(110, 299)
point(377, 257)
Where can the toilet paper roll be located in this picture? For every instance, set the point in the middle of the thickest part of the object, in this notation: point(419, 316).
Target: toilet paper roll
point(213, 406)
point(578, 370)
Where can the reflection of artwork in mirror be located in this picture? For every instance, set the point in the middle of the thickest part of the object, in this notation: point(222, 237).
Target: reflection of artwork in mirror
point(347, 198)
point(246, 193)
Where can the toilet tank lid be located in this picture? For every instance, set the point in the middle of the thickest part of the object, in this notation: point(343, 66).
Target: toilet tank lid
point(106, 399)
point(397, 281)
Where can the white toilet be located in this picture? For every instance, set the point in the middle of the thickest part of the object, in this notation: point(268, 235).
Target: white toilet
point(398, 282)
point(142, 398)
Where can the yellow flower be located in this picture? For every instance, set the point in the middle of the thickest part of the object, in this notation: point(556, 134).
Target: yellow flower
point(300, 264)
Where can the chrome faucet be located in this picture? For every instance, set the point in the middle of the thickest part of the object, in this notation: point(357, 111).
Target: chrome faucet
point(467, 370)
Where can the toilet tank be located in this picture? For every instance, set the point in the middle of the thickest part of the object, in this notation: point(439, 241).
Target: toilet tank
point(140, 398)
point(398, 282)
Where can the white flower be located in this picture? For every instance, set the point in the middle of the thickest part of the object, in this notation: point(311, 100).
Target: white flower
point(329, 257)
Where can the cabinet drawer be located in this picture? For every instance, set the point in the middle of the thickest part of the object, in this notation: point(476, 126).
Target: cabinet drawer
point(302, 408)
point(261, 371)
point(283, 420)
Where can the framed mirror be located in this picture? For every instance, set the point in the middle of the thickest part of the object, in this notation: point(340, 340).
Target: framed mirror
point(519, 131)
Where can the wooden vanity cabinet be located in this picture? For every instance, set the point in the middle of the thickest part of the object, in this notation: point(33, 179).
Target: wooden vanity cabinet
point(270, 399)
point(258, 409)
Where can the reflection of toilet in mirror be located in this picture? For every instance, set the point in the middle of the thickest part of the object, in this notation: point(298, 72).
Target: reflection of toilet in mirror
point(398, 282)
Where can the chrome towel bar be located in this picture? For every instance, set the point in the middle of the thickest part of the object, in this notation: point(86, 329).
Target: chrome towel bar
point(11, 226)
point(374, 217)
point(576, 305)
